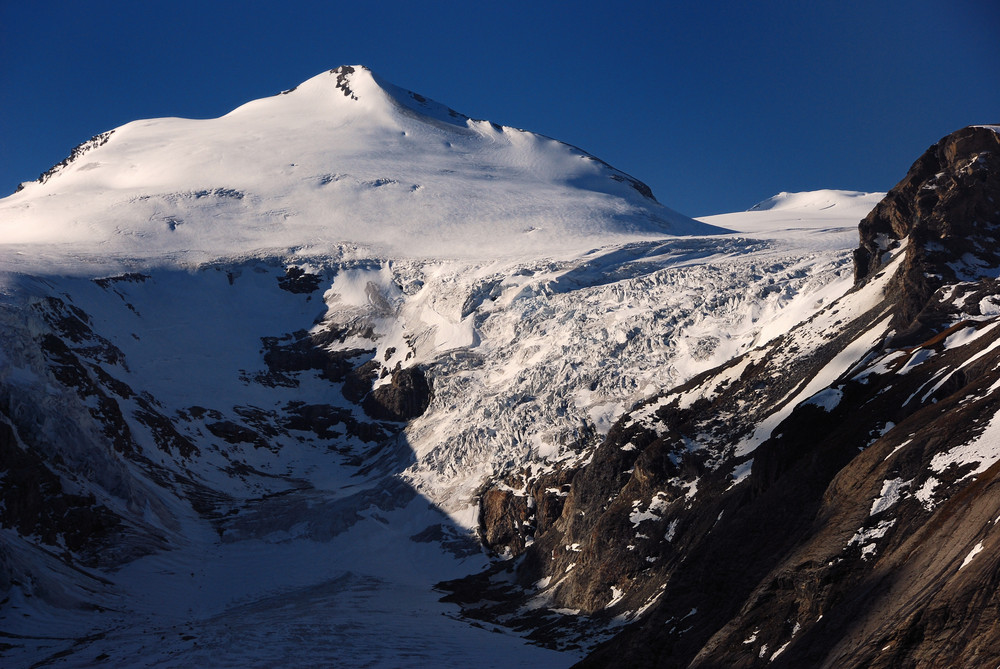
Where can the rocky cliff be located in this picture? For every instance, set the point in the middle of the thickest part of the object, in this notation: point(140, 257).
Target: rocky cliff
point(828, 499)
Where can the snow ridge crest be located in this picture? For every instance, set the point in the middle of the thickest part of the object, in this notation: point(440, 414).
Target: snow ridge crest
point(359, 83)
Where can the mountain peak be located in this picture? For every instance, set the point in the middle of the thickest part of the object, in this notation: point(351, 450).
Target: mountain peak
point(358, 83)
point(345, 73)
point(344, 158)
point(347, 83)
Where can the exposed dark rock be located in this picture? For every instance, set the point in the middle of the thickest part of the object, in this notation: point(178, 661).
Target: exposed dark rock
point(319, 419)
point(406, 396)
point(33, 501)
point(514, 510)
point(620, 176)
point(166, 436)
point(358, 381)
point(79, 150)
point(503, 514)
point(70, 370)
point(344, 73)
point(297, 280)
point(302, 351)
point(234, 433)
point(128, 277)
point(948, 206)
point(330, 422)
point(231, 193)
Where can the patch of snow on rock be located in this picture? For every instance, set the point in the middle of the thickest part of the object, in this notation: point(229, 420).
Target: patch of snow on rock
point(891, 491)
point(827, 400)
point(976, 550)
point(981, 452)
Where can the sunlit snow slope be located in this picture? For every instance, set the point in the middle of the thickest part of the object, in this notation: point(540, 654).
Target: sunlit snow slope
point(249, 361)
point(342, 158)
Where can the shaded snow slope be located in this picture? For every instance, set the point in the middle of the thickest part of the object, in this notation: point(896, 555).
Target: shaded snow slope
point(344, 158)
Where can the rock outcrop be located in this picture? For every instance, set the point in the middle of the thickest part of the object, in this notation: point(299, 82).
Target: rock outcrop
point(946, 207)
point(406, 396)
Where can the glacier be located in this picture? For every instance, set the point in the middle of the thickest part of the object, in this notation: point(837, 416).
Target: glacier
point(161, 284)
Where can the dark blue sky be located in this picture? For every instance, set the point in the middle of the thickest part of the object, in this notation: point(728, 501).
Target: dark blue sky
point(715, 106)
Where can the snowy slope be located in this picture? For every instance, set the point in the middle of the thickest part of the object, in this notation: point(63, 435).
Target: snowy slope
point(343, 158)
point(157, 357)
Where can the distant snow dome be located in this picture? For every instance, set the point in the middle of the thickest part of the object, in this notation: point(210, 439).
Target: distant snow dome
point(343, 158)
point(819, 200)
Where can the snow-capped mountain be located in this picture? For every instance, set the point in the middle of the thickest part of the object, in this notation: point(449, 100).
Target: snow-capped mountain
point(266, 379)
point(343, 158)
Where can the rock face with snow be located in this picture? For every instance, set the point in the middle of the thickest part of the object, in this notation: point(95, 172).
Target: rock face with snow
point(828, 499)
point(947, 206)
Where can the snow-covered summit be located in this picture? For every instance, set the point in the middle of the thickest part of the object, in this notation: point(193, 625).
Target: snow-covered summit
point(342, 159)
point(352, 90)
